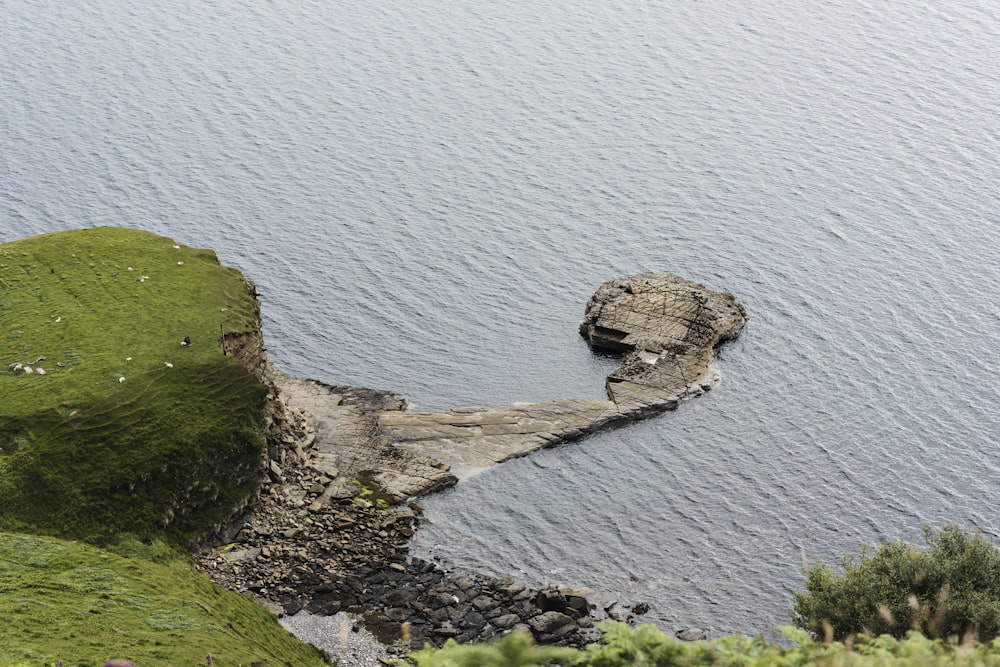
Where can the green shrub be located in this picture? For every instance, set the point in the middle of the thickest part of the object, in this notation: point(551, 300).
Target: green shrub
point(645, 646)
point(948, 590)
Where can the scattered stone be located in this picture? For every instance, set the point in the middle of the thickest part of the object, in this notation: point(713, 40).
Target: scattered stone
point(551, 599)
point(510, 586)
point(506, 621)
point(577, 606)
point(691, 634)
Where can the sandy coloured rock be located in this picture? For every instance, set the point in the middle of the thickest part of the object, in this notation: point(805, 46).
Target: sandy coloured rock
point(349, 446)
point(666, 326)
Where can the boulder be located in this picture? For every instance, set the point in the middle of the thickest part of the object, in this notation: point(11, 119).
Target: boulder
point(506, 621)
point(691, 634)
point(577, 605)
point(552, 625)
point(551, 599)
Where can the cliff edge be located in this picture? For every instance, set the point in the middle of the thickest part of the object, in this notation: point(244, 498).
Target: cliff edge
point(121, 409)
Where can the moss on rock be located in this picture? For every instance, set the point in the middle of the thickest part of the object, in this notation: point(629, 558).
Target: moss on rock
point(117, 426)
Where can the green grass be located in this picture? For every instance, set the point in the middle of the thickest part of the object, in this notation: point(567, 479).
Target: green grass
point(128, 440)
point(67, 601)
point(84, 454)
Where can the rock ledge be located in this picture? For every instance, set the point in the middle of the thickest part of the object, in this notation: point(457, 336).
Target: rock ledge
point(666, 326)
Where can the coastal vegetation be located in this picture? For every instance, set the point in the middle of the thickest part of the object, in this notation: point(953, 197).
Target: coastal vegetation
point(125, 424)
point(893, 605)
point(949, 590)
point(644, 646)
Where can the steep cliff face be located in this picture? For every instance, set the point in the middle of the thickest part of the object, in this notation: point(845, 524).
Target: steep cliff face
point(247, 347)
point(119, 411)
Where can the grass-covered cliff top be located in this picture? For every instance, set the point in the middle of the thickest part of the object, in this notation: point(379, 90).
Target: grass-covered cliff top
point(118, 427)
point(75, 603)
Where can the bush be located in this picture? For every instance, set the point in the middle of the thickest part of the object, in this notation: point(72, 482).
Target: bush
point(645, 646)
point(949, 590)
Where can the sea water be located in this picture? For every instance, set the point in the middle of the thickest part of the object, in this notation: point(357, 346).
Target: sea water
point(426, 193)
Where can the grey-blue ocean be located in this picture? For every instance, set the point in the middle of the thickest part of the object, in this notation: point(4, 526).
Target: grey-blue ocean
point(427, 192)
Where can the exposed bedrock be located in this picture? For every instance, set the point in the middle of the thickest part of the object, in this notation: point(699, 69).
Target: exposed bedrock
point(349, 446)
point(666, 326)
point(317, 537)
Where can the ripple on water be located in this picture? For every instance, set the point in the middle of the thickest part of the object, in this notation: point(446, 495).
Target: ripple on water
point(427, 194)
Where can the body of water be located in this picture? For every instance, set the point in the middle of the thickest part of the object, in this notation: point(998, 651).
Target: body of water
point(427, 192)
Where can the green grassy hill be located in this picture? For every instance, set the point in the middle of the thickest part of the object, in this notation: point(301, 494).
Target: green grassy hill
point(67, 601)
point(118, 427)
point(121, 436)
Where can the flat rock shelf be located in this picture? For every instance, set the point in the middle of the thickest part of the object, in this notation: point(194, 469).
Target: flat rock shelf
point(666, 327)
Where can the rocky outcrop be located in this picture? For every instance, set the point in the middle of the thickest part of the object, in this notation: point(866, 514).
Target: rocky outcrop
point(302, 547)
point(247, 347)
point(350, 445)
point(323, 537)
point(470, 440)
point(666, 326)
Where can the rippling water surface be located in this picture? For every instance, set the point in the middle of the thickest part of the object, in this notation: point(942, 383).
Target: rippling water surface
point(427, 193)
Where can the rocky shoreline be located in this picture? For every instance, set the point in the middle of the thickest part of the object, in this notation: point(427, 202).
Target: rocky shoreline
point(324, 545)
point(329, 529)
